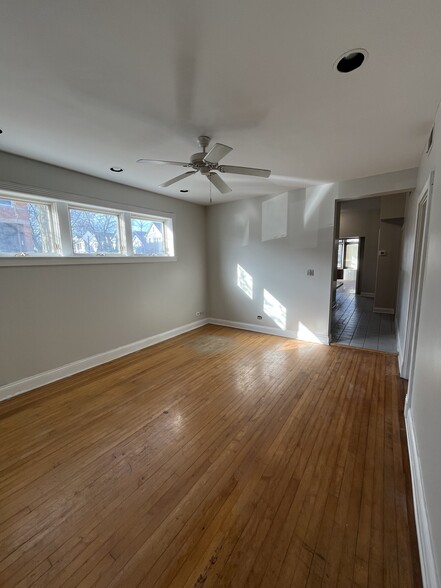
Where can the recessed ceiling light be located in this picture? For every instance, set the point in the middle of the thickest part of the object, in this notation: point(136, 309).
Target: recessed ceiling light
point(351, 60)
point(116, 169)
point(184, 191)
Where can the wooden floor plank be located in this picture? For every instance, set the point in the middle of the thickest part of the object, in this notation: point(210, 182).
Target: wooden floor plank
point(218, 458)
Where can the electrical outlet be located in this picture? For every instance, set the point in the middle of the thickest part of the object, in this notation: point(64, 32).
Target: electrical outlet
point(309, 272)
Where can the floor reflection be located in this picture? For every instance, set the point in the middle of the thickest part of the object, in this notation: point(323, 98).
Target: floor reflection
point(355, 323)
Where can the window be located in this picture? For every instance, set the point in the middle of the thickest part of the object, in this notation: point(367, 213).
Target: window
point(347, 256)
point(26, 228)
point(340, 254)
point(148, 236)
point(36, 227)
point(351, 254)
point(94, 232)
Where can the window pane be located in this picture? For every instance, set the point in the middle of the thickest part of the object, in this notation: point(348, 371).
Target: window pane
point(25, 227)
point(341, 247)
point(148, 237)
point(94, 232)
point(351, 259)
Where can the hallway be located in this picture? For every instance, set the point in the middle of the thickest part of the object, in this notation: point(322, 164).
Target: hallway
point(354, 322)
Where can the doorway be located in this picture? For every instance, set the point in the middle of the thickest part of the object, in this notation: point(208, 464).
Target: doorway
point(361, 226)
point(349, 264)
point(416, 286)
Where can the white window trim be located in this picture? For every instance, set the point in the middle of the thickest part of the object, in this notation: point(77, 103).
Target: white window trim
point(62, 231)
point(54, 228)
point(168, 234)
point(100, 210)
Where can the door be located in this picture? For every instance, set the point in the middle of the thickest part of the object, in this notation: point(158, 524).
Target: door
point(416, 286)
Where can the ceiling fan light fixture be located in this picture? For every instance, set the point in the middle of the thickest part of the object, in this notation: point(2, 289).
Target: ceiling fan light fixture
point(207, 164)
point(351, 60)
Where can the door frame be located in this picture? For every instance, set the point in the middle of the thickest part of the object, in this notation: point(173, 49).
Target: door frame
point(416, 285)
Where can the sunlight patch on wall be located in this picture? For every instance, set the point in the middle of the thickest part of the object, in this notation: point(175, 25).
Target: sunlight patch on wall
point(275, 310)
point(242, 228)
point(314, 198)
point(245, 281)
point(275, 217)
point(305, 334)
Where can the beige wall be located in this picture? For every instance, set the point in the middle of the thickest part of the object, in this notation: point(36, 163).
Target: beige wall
point(363, 223)
point(54, 315)
point(392, 211)
point(388, 266)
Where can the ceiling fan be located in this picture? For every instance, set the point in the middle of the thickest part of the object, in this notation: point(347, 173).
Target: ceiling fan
point(208, 164)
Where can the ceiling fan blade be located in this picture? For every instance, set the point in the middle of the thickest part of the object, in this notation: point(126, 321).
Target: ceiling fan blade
point(217, 152)
point(246, 171)
point(218, 183)
point(161, 162)
point(176, 179)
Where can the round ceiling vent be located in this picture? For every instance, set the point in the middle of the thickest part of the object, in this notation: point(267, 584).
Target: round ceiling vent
point(351, 60)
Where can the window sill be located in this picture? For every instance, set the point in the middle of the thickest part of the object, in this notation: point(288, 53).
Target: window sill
point(38, 261)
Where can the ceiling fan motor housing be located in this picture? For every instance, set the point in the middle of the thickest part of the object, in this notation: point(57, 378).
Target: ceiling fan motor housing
point(198, 158)
point(208, 164)
point(204, 141)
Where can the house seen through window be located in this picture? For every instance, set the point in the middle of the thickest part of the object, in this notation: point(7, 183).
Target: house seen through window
point(94, 232)
point(47, 227)
point(25, 228)
point(148, 236)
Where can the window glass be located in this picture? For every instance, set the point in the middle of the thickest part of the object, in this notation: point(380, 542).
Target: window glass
point(37, 226)
point(148, 236)
point(94, 232)
point(341, 247)
point(26, 227)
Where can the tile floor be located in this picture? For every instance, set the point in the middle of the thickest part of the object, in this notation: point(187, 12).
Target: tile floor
point(354, 323)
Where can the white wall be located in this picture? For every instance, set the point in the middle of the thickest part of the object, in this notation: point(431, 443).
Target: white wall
point(425, 411)
point(280, 265)
point(54, 315)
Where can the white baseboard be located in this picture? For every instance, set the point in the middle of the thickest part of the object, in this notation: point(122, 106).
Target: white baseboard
point(382, 310)
point(400, 351)
point(368, 294)
point(425, 545)
point(44, 378)
point(323, 339)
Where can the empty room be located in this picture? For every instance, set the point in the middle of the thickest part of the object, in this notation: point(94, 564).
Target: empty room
point(220, 280)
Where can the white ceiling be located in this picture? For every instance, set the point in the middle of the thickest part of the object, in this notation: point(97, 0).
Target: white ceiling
point(90, 85)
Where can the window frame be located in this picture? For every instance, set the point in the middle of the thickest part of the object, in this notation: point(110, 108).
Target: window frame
point(167, 232)
point(59, 204)
point(98, 210)
point(343, 244)
point(54, 227)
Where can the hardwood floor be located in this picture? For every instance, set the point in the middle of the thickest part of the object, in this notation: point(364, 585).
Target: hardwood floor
point(218, 458)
